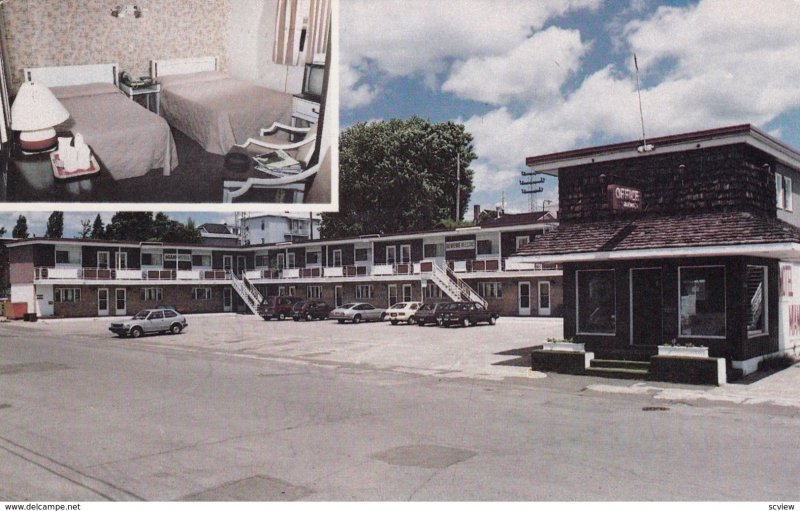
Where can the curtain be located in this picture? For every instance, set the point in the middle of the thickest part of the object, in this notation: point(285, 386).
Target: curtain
point(287, 23)
point(318, 28)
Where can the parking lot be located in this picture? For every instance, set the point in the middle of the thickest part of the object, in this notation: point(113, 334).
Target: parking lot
point(490, 352)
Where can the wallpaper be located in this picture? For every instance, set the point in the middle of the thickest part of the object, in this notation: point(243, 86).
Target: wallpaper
point(57, 33)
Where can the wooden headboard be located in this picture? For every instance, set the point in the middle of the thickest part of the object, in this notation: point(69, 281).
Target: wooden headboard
point(166, 67)
point(72, 75)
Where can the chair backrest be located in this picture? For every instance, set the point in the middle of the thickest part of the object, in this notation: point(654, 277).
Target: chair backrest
point(304, 153)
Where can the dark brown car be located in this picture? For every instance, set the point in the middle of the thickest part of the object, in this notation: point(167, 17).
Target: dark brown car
point(311, 309)
point(465, 314)
point(278, 307)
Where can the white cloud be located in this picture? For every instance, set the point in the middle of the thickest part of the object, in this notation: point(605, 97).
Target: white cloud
point(422, 37)
point(534, 70)
point(352, 94)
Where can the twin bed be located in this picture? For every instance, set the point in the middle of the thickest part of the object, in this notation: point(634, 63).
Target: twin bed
point(212, 108)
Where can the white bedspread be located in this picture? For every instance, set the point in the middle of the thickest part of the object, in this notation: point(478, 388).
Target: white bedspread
point(126, 138)
point(218, 111)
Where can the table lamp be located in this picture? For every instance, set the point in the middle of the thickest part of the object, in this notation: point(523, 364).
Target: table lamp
point(34, 114)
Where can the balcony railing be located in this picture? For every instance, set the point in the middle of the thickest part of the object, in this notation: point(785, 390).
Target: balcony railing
point(43, 273)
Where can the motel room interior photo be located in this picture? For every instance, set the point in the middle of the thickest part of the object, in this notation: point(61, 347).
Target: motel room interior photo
point(166, 101)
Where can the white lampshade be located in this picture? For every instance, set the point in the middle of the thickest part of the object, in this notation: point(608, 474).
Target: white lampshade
point(34, 113)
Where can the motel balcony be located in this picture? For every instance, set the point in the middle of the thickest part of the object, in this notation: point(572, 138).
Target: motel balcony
point(74, 275)
point(365, 271)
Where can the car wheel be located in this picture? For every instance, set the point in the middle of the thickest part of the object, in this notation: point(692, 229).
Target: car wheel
point(421, 322)
point(466, 322)
point(340, 321)
point(393, 322)
point(357, 319)
point(492, 320)
point(122, 335)
point(136, 332)
point(309, 317)
point(175, 328)
point(296, 318)
point(411, 320)
point(281, 316)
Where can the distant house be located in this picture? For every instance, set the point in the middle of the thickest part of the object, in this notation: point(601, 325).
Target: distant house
point(220, 235)
point(263, 229)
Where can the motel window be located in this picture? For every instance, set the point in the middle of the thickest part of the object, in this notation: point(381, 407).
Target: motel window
point(363, 292)
point(290, 260)
point(702, 301)
point(405, 253)
point(407, 291)
point(596, 302)
point(102, 259)
point(68, 257)
point(312, 258)
point(522, 241)
point(337, 257)
point(281, 261)
point(152, 259)
point(314, 292)
point(756, 282)
point(122, 260)
point(433, 291)
point(391, 255)
point(262, 261)
point(485, 247)
point(201, 260)
point(281, 291)
point(433, 250)
point(152, 294)
point(490, 289)
point(201, 293)
point(67, 295)
point(392, 294)
point(362, 254)
point(292, 290)
point(783, 192)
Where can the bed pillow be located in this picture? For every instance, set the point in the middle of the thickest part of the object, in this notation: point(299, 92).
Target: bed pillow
point(202, 76)
point(86, 89)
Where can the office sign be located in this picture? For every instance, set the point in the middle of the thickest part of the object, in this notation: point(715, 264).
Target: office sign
point(460, 245)
point(623, 198)
point(177, 257)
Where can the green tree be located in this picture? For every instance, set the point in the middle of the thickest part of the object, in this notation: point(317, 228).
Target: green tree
point(21, 229)
point(98, 229)
point(86, 228)
point(2, 231)
point(55, 225)
point(400, 175)
point(180, 233)
point(131, 225)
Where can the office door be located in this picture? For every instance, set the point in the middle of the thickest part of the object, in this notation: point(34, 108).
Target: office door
point(646, 306)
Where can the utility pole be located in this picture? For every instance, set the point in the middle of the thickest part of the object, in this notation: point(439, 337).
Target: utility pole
point(458, 187)
point(530, 190)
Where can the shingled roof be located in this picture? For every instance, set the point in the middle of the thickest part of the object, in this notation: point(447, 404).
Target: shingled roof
point(691, 230)
point(510, 219)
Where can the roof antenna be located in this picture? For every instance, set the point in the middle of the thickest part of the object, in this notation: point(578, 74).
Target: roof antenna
point(645, 147)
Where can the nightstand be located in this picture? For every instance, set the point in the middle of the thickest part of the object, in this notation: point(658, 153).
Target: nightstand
point(305, 108)
point(150, 90)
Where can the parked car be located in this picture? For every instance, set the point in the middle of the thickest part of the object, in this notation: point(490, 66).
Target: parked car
point(150, 321)
point(465, 314)
point(357, 312)
point(426, 314)
point(311, 309)
point(403, 311)
point(279, 307)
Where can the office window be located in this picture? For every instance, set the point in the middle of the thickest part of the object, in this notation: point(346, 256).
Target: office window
point(314, 292)
point(363, 292)
point(362, 254)
point(67, 294)
point(312, 258)
point(756, 282)
point(430, 250)
point(201, 293)
point(68, 257)
point(433, 291)
point(201, 260)
point(702, 301)
point(596, 302)
point(485, 247)
point(152, 259)
point(152, 294)
point(490, 289)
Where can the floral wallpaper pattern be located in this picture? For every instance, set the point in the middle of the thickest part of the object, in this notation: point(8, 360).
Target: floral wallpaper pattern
point(59, 33)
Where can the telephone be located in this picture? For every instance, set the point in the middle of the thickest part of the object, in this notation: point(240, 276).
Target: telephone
point(135, 83)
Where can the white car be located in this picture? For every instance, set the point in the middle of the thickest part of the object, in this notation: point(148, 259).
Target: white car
point(357, 312)
point(150, 321)
point(403, 311)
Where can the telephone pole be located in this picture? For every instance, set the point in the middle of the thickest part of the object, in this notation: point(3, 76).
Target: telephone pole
point(532, 187)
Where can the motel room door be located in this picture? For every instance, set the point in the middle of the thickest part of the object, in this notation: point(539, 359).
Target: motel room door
point(121, 296)
point(524, 298)
point(102, 302)
point(227, 299)
point(646, 306)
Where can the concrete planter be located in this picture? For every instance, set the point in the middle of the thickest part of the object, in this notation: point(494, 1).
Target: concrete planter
point(572, 347)
point(683, 351)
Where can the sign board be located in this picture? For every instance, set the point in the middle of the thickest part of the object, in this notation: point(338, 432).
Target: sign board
point(789, 307)
point(623, 198)
point(177, 257)
point(460, 245)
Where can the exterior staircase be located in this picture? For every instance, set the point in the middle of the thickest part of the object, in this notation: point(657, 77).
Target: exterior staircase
point(454, 286)
point(247, 291)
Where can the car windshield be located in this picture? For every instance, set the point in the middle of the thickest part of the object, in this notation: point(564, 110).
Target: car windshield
point(398, 306)
point(427, 307)
point(450, 306)
point(348, 306)
point(141, 315)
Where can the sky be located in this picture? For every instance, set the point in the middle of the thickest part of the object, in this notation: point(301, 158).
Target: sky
point(532, 77)
point(535, 77)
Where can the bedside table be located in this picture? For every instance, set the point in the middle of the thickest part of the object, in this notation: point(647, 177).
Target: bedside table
point(304, 108)
point(151, 90)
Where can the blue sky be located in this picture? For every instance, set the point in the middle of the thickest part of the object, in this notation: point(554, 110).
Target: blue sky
point(534, 77)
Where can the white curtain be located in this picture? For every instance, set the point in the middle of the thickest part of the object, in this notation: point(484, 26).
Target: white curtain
point(318, 28)
point(287, 29)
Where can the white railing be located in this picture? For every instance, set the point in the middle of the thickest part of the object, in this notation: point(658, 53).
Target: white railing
point(247, 291)
point(188, 275)
point(290, 273)
point(106, 274)
point(382, 269)
point(333, 271)
point(128, 274)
